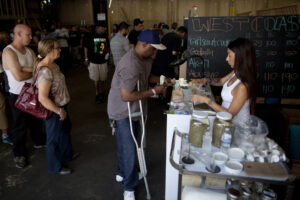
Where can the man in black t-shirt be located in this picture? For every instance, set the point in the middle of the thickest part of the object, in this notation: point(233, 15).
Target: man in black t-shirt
point(96, 52)
point(173, 42)
point(133, 35)
point(160, 66)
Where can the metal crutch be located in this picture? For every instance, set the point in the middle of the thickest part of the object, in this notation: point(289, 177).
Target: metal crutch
point(140, 150)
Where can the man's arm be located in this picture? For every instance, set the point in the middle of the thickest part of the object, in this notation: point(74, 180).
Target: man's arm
point(135, 95)
point(10, 62)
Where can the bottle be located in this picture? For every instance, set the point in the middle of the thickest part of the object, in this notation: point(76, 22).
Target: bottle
point(226, 140)
point(223, 120)
point(207, 138)
point(195, 11)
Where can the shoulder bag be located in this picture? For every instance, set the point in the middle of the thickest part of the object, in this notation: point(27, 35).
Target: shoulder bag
point(28, 100)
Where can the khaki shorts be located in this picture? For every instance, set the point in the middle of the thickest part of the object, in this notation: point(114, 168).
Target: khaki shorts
point(98, 72)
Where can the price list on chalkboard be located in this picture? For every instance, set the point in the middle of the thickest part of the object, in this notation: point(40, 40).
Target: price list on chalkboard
point(277, 43)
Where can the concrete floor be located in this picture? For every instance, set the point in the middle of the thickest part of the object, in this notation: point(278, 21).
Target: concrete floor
point(94, 170)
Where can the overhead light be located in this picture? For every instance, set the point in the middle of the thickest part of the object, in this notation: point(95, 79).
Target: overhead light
point(110, 1)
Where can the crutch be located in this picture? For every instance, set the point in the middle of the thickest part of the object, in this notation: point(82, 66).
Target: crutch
point(140, 150)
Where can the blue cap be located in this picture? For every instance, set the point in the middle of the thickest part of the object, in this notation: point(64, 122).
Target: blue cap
point(151, 37)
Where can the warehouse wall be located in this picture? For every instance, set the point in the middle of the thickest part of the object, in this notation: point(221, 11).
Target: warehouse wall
point(76, 12)
point(168, 11)
point(155, 11)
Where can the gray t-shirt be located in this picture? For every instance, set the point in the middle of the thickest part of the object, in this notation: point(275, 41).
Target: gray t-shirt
point(130, 69)
point(119, 45)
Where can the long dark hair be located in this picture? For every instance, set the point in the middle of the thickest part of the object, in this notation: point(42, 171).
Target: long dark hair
point(245, 67)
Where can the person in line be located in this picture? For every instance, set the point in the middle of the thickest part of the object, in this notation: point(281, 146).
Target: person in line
point(134, 33)
point(239, 86)
point(96, 52)
point(74, 42)
point(17, 62)
point(3, 118)
point(160, 66)
point(115, 30)
point(119, 44)
point(161, 63)
point(134, 66)
point(58, 127)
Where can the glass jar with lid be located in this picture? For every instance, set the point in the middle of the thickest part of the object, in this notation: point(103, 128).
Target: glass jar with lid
point(198, 125)
point(232, 194)
point(222, 121)
point(246, 193)
point(268, 194)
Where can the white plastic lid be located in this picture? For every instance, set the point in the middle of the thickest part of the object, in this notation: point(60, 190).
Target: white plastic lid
point(224, 116)
point(200, 114)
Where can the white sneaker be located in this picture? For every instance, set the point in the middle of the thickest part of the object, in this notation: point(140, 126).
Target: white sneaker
point(129, 195)
point(120, 178)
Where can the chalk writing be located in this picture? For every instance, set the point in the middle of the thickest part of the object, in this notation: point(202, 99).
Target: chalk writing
point(271, 53)
point(202, 52)
point(277, 44)
point(208, 42)
point(288, 65)
point(288, 89)
point(289, 77)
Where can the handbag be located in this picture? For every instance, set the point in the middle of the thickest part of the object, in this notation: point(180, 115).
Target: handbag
point(28, 101)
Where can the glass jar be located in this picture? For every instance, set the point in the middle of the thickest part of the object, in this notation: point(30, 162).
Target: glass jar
point(198, 125)
point(246, 193)
point(222, 121)
point(269, 194)
point(232, 194)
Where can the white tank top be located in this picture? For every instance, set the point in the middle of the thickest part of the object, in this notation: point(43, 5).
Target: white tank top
point(25, 60)
point(244, 114)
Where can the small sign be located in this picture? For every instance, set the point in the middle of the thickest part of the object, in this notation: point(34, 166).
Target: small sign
point(101, 17)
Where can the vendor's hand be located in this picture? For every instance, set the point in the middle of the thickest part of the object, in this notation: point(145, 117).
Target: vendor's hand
point(62, 114)
point(201, 81)
point(199, 98)
point(159, 89)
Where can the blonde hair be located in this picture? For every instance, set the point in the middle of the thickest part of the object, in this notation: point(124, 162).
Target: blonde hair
point(44, 47)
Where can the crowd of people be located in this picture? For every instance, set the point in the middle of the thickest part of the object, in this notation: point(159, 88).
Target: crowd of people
point(45, 56)
point(140, 57)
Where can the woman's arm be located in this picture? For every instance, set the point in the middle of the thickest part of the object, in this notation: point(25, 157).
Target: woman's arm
point(213, 81)
point(44, 90)
point(239, 98)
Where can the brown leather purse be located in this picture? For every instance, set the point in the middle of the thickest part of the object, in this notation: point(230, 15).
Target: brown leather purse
point(28, 100)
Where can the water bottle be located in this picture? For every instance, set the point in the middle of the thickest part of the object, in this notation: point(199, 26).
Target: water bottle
point(207, 138)
point(226, 140)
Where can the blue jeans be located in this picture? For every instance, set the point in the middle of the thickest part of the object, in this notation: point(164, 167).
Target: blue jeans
point(59, 146)
point(126, 152)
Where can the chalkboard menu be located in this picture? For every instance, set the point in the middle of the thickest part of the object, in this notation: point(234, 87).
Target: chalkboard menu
point(277, 43)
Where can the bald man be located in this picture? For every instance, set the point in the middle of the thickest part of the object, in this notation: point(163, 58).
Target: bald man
point(17, 62)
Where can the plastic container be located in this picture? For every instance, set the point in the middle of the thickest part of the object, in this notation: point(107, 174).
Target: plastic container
point(198, 126)
point(223, 120)
point(250, 134)
point(206, 145)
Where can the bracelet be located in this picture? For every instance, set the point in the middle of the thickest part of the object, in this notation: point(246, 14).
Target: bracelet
point(59, 112)
point(153, 91)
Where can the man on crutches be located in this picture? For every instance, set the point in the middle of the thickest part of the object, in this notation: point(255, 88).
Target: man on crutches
point(134, 67)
